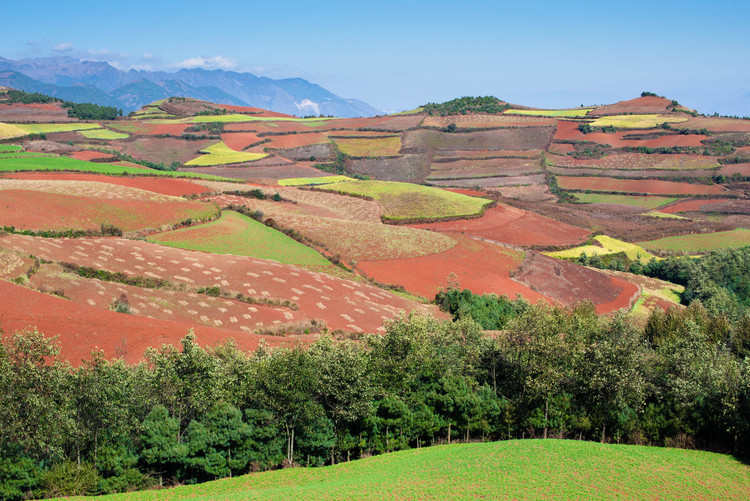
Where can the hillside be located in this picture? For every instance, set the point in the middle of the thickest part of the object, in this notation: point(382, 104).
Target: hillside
point(516, 469)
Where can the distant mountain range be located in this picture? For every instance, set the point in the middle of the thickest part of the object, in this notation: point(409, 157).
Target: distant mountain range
point(100, 83)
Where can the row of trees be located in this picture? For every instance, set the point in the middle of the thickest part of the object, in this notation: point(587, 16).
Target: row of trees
point(82, 111)
point(466, 105)
point(190, 415)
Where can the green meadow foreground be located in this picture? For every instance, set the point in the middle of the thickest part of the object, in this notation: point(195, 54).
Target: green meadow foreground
point(515, 469)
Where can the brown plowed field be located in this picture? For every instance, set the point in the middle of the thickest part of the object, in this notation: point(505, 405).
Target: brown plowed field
point(638, 161)
point(35, 113)
point(714, 124)
point(82, 328)
point(632, 174)
point(638, 106)
point(343, 304)
point(162, 150)
point(165, 186)
point(567, 130)
point(260, 173)
point(513, 226)
point(492, 182)
point(295, 140)
point(650, 186)
point(719, 205)
point(240, 140)
point(480, 267)
point(561, 148)
point(90, 155)
point(471, 193)
point(258, 112)
point(488, 121)
point(63, 212)
point(484, 154)
point(527, 138)
point(483, 168)
point(569, 283)
point(13, 265)
point(742, 169)
point(151, 129)
point(397, 124)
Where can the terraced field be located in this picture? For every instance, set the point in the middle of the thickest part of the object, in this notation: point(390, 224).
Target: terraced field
point(52, 128)
point(307, 181)
point(9, 131)
point(515, 469)
point(649, 186)
point(573, 113)
point(240, 235)
point(369, 147)
point(607, 245)
point(103, 134)
point(404, 201)
point(636, 121)
point(701, 242)
point(221, 154)
point(646, 202)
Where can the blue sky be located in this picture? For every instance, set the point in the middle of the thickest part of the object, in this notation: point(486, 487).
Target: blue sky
point(396, 55)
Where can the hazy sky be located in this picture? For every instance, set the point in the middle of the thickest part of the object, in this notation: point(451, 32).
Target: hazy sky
point(399, 54)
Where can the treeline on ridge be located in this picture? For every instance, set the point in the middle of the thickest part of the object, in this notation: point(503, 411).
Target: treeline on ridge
point(191, 415)
point(81, 111)
point(465, 105)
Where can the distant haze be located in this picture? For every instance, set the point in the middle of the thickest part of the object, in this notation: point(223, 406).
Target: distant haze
point(397, 55)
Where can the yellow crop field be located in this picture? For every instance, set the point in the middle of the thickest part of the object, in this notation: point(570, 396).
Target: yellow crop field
point(636, 121)
point(609, 245)
point(221, 154)
point(8, 131)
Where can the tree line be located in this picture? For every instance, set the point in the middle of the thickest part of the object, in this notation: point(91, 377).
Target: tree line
point(190, 414)
point(465, 105)
point(81, 111)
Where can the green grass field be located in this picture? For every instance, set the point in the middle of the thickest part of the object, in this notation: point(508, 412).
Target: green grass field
point(577, 112)
point(22, 154)
point(369, 146)
point(516, 469)
point(240, 235)
point(308, 181)
point(52, 128)
point(71, 164)
point(636, 121)
point(401, 201)
point(8, 148)
point(609, 245)
point(634, 200)
point(702, 241)
point(103, 134)
point(221, 154)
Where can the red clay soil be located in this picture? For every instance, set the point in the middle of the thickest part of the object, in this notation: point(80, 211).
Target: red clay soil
point(82, 328)
point(165, 186)
point(569, 283)
point(742, 169)
point(342, 304)
point(687, 205)
point(162, 150)
point(256, 112)
point(567, 130)
point(638, 106)
point(637, 161)
point(240, 140)
point(513, 226)
point(478, 154)
point(650, 186)
point(481, 267)
point(714, 124)
point(89, 155)
point(153, 129)
point(56, 212)
point(295, 140)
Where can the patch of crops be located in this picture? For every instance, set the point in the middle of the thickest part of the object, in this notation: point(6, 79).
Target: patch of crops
point(405, 201)
point(307, 181)
point(634, 200)
point(240, 235)
point(103, 134)
point(51, 128)
point(607, 245)
point(514, 469)
point(252, 118)
point(577, 112)
point(701, 241)
point(7, 148)
point(636, 121)
point(221, 154)
point(369, 146)
point(9, 130)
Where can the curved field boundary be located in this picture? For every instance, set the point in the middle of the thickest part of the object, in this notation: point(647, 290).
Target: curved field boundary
point(387, 146)
point(165, 186)
point(514, 469)
point(607, 245)
point(647, 202)
point(240, 235)
point(636, 121)
point(221, 154)
point(577, 112)
point(309, 181)
point(9, 131)
point(406, 203)
point(103, 134)
point(701, 242)
point(689, 205)
point(52, 128)
point(655, 187)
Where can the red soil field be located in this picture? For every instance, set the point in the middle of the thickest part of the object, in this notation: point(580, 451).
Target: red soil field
point(535, 154)
point(513, 226)
point(63, 212)
point(295, 140)
point(650, 186)
point(720, 205)
point(638, 106)
point(240, 140)
point(561, 148)
point(82, 328)
point(471, 193)
point(162, 150)
point(36, 112)
point(567, 130)
point(569, 283)
point(742, 169)
point(480, 267)
point(261, 173)
point(165, 186)
point(343, 304)
point(687, 205)
point(714, 124)
point(488, 121)
point(258, 112)
point(90, 155)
